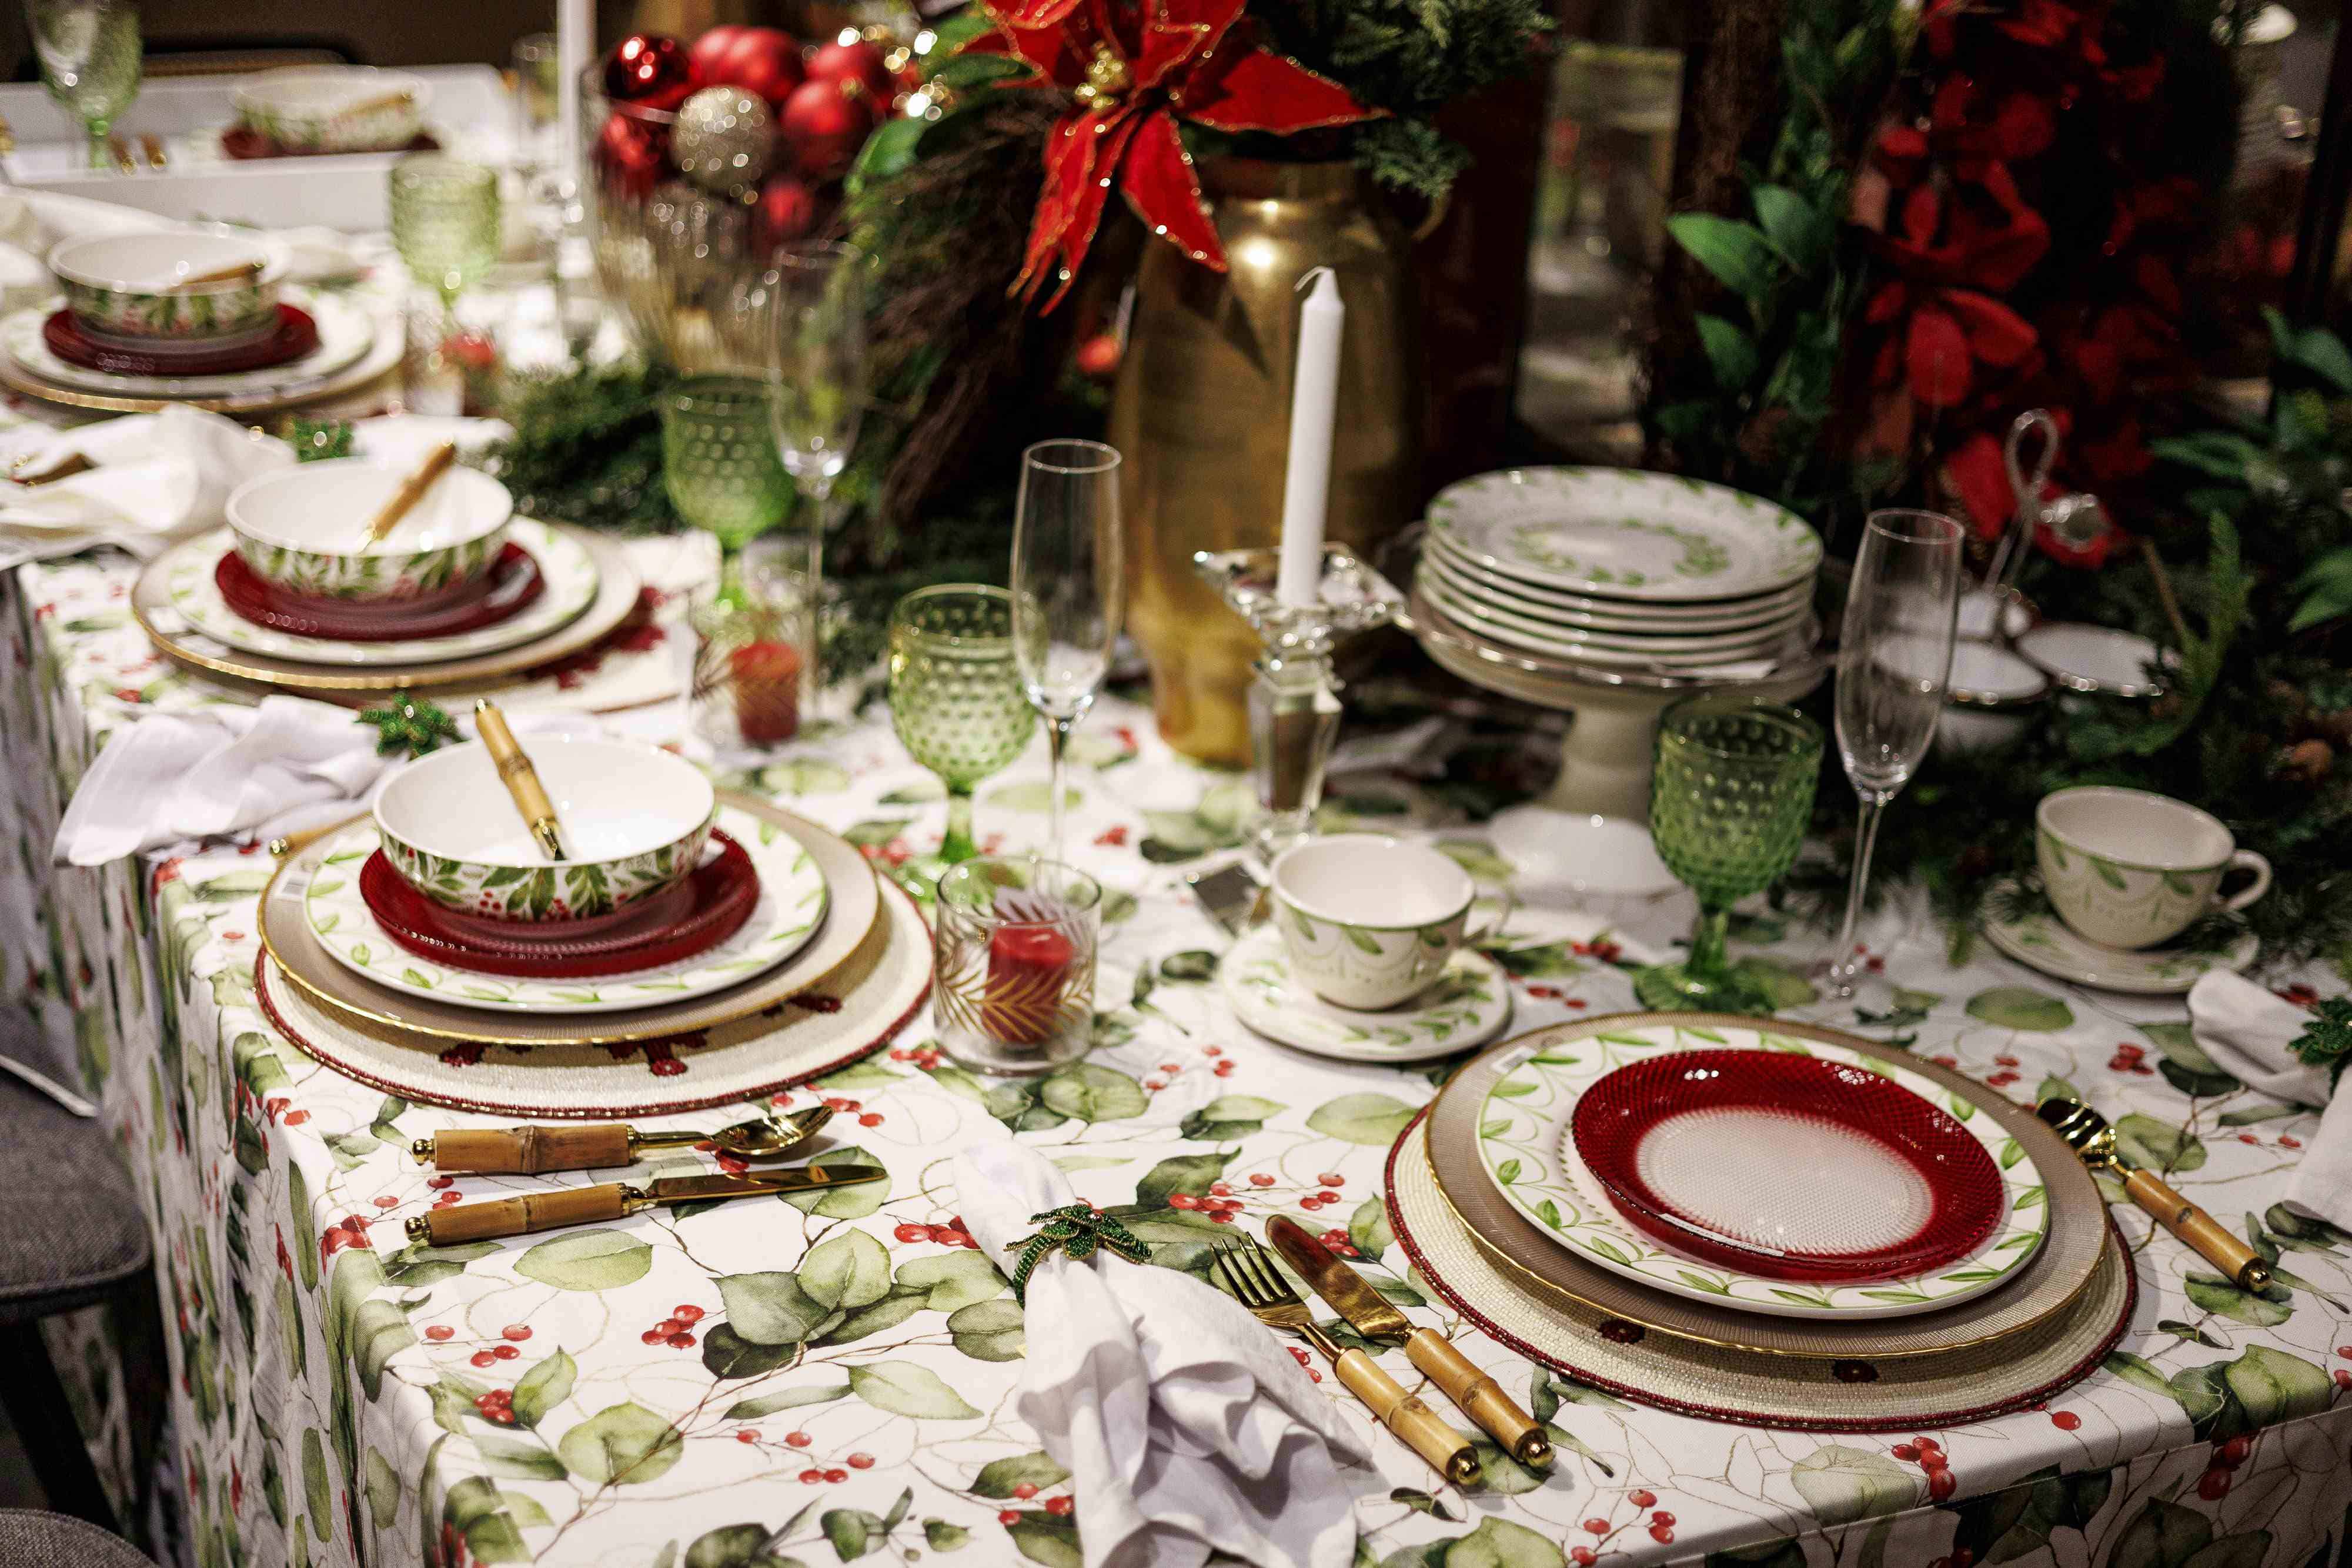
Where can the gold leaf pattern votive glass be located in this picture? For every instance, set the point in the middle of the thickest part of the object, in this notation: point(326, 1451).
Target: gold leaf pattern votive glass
point(1012, 963)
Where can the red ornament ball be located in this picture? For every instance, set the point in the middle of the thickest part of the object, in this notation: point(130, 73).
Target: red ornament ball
point(787, 210)
point(825, 122)
point(703, 55)
point(648, 69)
point(762, 60)
point(1098, 357)
point(631, 154)
point(856, 60)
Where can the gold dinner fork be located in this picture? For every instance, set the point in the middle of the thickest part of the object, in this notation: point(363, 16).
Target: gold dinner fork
point(1249, 1276)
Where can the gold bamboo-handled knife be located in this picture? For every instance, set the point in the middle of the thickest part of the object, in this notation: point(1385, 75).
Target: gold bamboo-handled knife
point(412, 489)
point(615, 1200)
point(2087, 1134)
point(599, 1145)
point(1373, 1316)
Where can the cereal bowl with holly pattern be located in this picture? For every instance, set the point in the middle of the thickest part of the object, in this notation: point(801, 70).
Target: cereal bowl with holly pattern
point(304, 529)
point(170, 286)
point(634, 819)
point(333, 109)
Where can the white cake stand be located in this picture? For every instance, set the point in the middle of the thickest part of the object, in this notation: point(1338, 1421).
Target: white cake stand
point(1590, 832)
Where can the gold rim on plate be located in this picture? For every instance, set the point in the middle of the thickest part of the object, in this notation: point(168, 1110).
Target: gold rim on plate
point(382, 358)
point(855, 903)
point(2047, 1284)
point(617, 584)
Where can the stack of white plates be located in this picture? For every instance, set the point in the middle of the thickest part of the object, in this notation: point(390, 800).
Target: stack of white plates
point(1615, 566)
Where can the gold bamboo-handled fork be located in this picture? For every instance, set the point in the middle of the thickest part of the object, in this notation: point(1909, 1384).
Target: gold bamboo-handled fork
point(1250, 1278)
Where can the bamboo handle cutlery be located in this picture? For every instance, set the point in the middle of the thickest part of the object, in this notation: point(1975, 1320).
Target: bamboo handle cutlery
point(2087, 1134)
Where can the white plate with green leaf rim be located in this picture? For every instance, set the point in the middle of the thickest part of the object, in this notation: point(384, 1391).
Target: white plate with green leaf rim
point(791, 906)
point(1468, 1004)
point(570, 587)
point(2039, 940)
point(1611, 614)
point(1522, 634)
point(1525, 1143)
point(346, 333)
point(1432, 580)
point(1622, 534)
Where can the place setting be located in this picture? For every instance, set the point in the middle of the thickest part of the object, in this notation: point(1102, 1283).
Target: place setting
point(586, 930)
point(185, 316)
point(352, 577)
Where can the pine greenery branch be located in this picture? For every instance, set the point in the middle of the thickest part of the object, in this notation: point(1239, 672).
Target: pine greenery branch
point(587, 450)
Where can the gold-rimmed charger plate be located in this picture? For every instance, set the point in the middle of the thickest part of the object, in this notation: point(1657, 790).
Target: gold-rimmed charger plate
point(399, 1018)
point(617, 584)
point(382, 357)
point(2044, 1288)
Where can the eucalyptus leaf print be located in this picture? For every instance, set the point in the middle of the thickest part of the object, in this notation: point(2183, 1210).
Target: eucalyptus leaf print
point(622, 1445)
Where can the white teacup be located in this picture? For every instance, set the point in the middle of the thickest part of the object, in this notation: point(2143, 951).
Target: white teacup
point(2131, 869)
point(1370, 921)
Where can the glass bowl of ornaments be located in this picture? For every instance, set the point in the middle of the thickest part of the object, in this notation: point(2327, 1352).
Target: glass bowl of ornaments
point(706, 157)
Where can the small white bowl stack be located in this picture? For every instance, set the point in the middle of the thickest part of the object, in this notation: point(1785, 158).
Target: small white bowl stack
point(1616, 567)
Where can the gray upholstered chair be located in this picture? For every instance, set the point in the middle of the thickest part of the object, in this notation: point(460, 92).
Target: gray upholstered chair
point(72, 1235)
point(32, 1539)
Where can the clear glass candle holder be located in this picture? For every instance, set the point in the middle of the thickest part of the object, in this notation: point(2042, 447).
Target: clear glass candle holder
point(746, 695)
point(1012, 963)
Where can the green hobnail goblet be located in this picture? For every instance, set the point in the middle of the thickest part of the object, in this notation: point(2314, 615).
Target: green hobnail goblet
point(956, 696)
point(719, 459)
point(445, 222)
point(1729, 799)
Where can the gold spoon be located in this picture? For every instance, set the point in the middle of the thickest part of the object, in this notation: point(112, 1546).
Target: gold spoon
point(2087, 1134)
point(529, 1150)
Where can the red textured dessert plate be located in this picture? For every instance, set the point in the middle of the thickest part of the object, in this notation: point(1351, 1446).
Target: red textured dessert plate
point(297, 335)
point(701, 913)
point(1787, 1165)
point(513, 581)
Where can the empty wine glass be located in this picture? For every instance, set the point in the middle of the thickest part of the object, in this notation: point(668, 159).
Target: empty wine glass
point(955, 694)
point(1895, 660)
point(90, 62)
point(808, 310)
point(1066, 589)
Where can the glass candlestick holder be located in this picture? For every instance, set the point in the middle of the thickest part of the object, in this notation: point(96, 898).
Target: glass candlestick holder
point(1293, 698)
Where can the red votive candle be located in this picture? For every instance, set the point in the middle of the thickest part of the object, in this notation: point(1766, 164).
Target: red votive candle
point(766, 677)
point(1028, 973)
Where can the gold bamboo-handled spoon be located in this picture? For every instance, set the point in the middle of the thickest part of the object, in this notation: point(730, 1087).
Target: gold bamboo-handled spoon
point(2087, 1134)
point(412, 489)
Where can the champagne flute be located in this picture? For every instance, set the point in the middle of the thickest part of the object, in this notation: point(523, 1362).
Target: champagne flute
point(90, 62)
point(1065, 590)
point(1895, 661)
point(809, 309)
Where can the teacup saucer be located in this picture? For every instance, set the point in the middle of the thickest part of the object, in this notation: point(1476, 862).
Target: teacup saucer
point(2041, 941)
point(1469, 1004)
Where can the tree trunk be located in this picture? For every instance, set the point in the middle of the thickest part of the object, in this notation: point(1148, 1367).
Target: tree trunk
point(1731, 103)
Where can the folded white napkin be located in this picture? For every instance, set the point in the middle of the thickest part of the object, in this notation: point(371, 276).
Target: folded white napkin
point(174, 779)
point(1184, 1423)
point(2247, 1031)
point(154, 479)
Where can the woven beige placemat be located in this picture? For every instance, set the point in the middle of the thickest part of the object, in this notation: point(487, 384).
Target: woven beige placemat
point(1855, 1394)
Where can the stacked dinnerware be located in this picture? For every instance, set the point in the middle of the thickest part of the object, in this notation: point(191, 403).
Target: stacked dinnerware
point(1761, 1222)
point(153, 317)
point(1619, 567)
point(294, 593)
point(688, 947)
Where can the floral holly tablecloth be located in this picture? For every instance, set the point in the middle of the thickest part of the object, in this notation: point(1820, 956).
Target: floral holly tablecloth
point(829, 1379)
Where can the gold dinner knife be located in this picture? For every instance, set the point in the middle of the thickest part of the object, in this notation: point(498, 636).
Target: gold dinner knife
point(599, 1145)
point(1373, 1316)
point(2087, 1134)
point(615, 1200)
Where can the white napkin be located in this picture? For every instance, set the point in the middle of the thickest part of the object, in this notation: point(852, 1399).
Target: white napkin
point(2247, 1031)
point(24, 280)
point(174, 779)
point(1184, 1423)
point(155, 478)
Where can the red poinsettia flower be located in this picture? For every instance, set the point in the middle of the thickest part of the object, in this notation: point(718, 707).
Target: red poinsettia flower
point(1940, 312)
point(1136, 68)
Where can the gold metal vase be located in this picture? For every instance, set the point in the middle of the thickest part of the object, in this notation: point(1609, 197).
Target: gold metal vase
point(1201, 414)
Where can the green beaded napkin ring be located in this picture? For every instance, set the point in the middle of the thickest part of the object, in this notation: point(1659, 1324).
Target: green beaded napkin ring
point(1075, 1230)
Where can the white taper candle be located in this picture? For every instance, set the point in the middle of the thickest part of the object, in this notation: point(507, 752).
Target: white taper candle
point(1314, 408)
point(575, 46)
